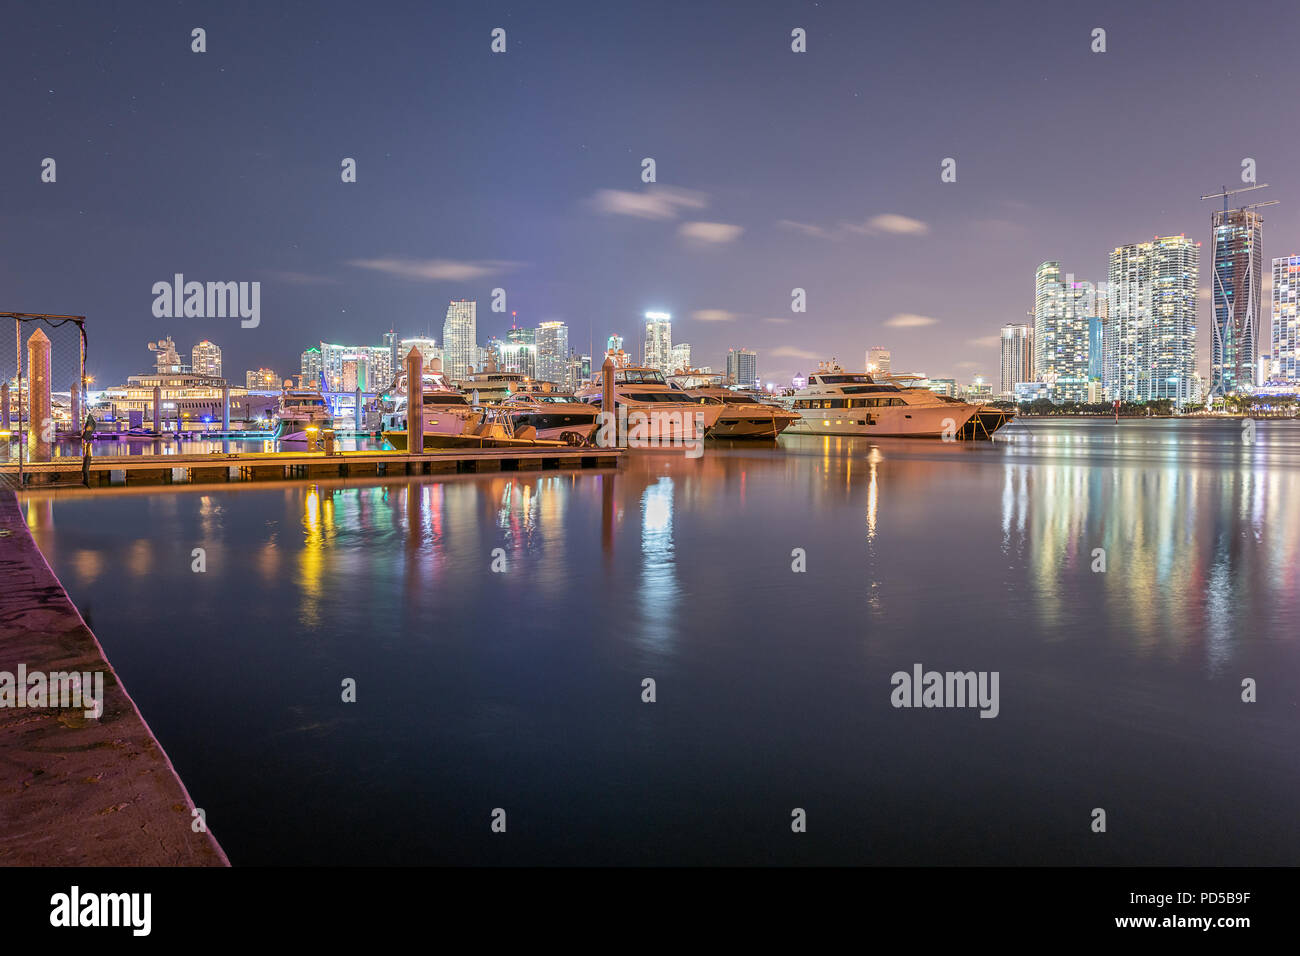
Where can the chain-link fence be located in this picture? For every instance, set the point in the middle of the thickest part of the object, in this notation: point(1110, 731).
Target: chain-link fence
point(42, 391)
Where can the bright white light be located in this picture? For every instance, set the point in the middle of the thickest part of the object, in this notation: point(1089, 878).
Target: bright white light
point(658, 315)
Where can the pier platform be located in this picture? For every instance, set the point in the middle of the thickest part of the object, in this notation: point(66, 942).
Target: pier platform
point(78, 790)
point(273, 466)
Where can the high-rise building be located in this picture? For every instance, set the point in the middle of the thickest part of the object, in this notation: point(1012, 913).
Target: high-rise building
point(681, 360)
point(1238, 262)
point(742, 367)
point(264, 379)
point(1017, 357)
point(1285, 350)
point(460, 338)
point(878, 361)
point(1061, 310)
point(614, 343)
point(311, 368)
point(1097, 338)
point(205, 359)
point(519, 352)
point(428, 349)
point(1150, 333)
point(553, 352)
point(659, 341)
point(393, 344)
point(371, 365)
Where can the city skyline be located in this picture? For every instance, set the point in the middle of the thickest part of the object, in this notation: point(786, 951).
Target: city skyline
point(733, 223)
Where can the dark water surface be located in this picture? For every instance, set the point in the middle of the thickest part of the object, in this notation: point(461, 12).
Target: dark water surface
point(522, 689)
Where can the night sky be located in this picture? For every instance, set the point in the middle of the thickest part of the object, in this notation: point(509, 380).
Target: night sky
point(523, 170)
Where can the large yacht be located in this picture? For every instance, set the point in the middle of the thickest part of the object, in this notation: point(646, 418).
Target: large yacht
point(554, 415)
point(491, 386)
point(744, 414)
point(299, 410)
point(447, 411)
point(653, 405)
point(852, 403)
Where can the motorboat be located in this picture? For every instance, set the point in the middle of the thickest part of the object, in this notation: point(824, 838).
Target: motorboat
point(656, 413)
point(300, 411)
point(836, 402)
point(445, 410)
point(744, 415)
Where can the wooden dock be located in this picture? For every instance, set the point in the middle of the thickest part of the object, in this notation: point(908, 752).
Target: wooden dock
point(279, 466)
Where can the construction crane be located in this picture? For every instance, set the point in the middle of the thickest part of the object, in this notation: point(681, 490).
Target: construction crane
point(1245, 189)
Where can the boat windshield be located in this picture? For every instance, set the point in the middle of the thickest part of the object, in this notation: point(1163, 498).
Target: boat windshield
point(639, 376)
point(844, 379)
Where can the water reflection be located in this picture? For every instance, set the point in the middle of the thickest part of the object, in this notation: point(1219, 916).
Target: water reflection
point(972, 555)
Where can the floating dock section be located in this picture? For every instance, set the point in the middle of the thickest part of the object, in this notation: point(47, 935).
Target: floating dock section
point(277, 466)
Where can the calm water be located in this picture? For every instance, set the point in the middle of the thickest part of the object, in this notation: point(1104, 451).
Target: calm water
point(522, 689)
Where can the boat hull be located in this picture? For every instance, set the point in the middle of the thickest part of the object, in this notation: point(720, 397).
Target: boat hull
point(896, 421)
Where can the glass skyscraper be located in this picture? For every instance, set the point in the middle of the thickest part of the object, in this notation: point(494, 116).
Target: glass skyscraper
point(1061, 311)
point(460, 338)
point(1150, 335)
point(1238, 262)
point(1017, 357)
point(742, 367)
point(659, 341)
point(553, 352)
point(1286, 320)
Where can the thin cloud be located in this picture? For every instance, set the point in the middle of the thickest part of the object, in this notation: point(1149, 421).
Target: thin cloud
point(906, 320)
point(892, 224)
point(786, 351)
point(984, 342)
point(774, 320)
point(808, 229)
point(660, 203)
point(435, 270)
point(713, 233)
point(712, 315)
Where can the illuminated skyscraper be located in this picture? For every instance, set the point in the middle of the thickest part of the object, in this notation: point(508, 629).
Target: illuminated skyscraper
point(742, 367)
point(1061, 310)
point(659, 341)
point(681, 360)
point(1285, 352)
point(878, 361)
point(553, 352)
point(460, 337)
point(205, 359)
point(1150, 333)
point(311, 368)
point(1017, 357)
point(1238, 262)
point(428, 349)
point(519, 352)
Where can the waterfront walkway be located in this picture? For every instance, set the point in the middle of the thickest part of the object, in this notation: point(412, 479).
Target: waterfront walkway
point(75, 790)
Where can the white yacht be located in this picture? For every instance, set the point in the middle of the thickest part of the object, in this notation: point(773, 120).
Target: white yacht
point(744, 415)
point(654, 409)
point(851, 403)
point(493, 387)
point(447, 412)
point(299, 410)
point(557, 416)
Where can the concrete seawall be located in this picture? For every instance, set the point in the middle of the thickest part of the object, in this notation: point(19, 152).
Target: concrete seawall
point(74, 790)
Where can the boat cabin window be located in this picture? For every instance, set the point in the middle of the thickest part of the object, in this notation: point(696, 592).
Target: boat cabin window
point(639, 376)
point(843, 379)
point(656, 397)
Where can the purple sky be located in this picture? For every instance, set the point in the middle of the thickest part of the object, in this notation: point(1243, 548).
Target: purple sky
point(523, 170)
